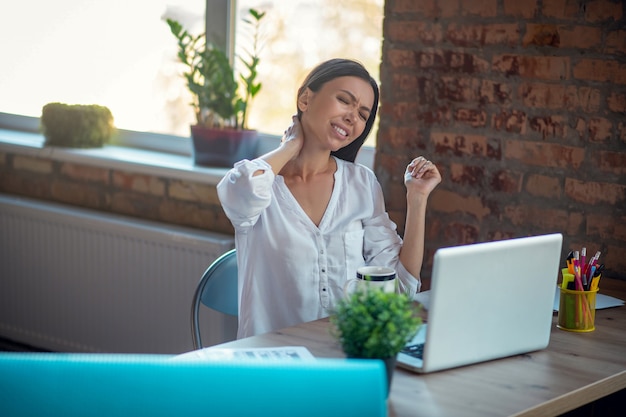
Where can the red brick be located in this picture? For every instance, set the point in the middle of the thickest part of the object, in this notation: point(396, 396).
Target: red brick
point(541, 217)
point(483, 8)
point(517, 8)
point(38, 165)
point(506, 182)
point(472, 117)
point(461, 233)
point(500, 235)
point(613, 162)
point(544, 186)
point(425, 7)
point(192, 215)
point(600, 129)
point(600, 70)
point(78, 194)
point(592, 193)
point(549, 126)
point(402, 138)
point(450, 202)
point(615, 261)
point(615, 42)
point(616, 102)
point(621, 131)
point(439, 116)
point(542, 67)
point(603, 11)
point(559, 96)
point(14, 182)
point(401, 111)
point(491, 92)
point(85, 173)
point(510, 121)
point(543, 95)
point(607, 227)
point(466, 175)
point(401, 58)
point(483, 35)
point(392, 166)
point(427, 33)
point(459, 145)
point(449, 8)
point(406, 83)
point(139, 182)
point(581, 127)
point(456, 89)
point(541, 35)
point(544, 154)
point(134, 204)
point(580, 37)
point(451, 61)
point(191, 191)
point(561, 9)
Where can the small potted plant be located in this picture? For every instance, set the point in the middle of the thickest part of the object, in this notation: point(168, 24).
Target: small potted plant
point(220, 136)
point(76, 125)
point(374, 324)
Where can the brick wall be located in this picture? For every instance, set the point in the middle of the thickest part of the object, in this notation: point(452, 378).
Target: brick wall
point(163, 199)
point(522, 106)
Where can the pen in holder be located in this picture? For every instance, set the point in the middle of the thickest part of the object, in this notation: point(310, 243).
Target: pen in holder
point(577, 310)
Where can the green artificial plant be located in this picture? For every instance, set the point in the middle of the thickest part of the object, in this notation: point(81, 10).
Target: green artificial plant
point(375, 324)
point(211, 78)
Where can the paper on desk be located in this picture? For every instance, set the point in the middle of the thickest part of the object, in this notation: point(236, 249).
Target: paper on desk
point(282, 353)
point(602, 301)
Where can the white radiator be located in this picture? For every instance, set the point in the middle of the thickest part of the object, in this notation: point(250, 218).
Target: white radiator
point(85, 281)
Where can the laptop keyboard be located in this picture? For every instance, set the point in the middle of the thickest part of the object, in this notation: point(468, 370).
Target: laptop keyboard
point(416, 350)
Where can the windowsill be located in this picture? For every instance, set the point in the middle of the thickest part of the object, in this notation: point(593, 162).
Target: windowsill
point(137, 160)
point(112, 156)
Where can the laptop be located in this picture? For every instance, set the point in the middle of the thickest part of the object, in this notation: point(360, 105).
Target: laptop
point(487, 301)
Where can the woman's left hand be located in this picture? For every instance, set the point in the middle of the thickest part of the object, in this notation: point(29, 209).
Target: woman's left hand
point(421, 176)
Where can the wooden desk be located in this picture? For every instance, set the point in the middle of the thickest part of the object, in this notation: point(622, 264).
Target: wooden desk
point(575, 369)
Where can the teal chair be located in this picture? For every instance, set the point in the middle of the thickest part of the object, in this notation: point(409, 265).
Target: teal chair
point(216, 290)
point(120, 385)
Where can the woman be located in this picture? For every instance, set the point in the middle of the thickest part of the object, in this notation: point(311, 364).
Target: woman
point(306, 216)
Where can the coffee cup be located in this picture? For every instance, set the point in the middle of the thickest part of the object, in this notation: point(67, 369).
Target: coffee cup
point(372, 277)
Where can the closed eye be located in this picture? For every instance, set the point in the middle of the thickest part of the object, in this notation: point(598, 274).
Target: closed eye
point(351, 100)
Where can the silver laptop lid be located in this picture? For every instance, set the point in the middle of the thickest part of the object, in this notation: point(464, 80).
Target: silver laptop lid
point(491, 300)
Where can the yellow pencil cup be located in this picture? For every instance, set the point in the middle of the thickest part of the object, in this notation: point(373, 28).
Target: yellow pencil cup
point(577, 310)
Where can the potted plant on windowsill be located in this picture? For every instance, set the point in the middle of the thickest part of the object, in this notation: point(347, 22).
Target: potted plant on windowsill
point(374, 324)
point(220, 136)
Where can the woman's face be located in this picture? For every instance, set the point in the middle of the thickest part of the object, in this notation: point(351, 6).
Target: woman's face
point(336, 114)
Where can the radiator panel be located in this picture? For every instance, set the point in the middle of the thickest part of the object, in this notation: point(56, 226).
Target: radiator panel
point(84, 281)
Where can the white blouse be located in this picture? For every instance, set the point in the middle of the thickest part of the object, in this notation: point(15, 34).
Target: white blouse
point(290, 270)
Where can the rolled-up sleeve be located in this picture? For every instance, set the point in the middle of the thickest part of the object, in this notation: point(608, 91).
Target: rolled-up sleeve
point(382, 243)
point(244, 195)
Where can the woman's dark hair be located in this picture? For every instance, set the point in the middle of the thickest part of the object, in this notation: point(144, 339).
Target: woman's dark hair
point(334, 68)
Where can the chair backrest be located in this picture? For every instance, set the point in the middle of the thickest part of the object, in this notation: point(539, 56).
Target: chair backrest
point(216, 290)
point(120, 385)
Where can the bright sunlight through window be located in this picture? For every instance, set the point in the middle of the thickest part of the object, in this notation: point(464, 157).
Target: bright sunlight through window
point(121, 54)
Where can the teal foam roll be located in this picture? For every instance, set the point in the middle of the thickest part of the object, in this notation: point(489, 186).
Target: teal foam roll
point(119, 385)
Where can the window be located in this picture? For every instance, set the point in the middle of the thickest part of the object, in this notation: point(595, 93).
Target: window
point(121, 54)
point(300, 34)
